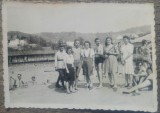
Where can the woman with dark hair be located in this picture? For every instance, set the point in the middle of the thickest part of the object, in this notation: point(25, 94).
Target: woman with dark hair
point(110, 64)
point(60, 65)
point(87, 55)
point(70, 76)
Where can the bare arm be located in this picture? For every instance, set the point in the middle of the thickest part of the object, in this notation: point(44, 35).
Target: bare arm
point(114, 52)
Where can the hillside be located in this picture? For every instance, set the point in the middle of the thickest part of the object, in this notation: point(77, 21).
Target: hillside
point(70, 36)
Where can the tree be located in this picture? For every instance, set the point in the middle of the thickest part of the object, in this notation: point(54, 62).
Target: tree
point(81, 40)
point(43, 42)
point(54, 46)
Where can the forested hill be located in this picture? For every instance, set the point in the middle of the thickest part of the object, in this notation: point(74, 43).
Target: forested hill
point(70, 36)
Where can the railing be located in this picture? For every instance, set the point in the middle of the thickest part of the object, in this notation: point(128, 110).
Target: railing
point(16, 59)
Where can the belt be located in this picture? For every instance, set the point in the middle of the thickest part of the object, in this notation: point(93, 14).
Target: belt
point(87, 58)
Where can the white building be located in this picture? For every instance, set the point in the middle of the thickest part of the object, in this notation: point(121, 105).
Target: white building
point(16, 43)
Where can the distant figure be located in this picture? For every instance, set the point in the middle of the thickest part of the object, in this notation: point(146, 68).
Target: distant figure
point(12, 83)
point(88, 62)
point(70, 75)
point(111, 65)
point(127, 61)
point(60, 65)
point(48, 81)
point(77, 60)
point(20, 83)
point(99, 59)
point(33, 79)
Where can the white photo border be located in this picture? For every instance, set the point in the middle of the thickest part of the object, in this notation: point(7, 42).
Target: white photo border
point(62, 106)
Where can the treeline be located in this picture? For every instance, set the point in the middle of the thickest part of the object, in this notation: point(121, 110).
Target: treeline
point(50, 39)
point(31, 39)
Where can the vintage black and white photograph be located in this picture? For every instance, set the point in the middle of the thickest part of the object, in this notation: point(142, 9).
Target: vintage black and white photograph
point(79, 55)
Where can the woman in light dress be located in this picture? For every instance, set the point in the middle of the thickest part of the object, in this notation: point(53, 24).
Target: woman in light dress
point(110, 64)
point(127, 61)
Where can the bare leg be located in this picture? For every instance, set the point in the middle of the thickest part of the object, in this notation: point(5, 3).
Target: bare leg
point(126, 80)
point(114, 80)
point(110, 78)
point(70, 87)
point(99, 73)
point(144, 84)
point(67, 87)
point(76, 78)
point(58, 79)
point(130, 80)
point(78, 69)
point(135, 80)
point(142, 79)
point(90, 81)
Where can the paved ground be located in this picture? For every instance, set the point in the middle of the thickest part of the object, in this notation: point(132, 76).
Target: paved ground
point(46, 93)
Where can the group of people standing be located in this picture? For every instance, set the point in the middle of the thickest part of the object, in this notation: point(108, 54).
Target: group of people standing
point(70, 60)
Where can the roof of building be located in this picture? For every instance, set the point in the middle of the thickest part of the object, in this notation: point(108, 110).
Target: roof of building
point(146, 37)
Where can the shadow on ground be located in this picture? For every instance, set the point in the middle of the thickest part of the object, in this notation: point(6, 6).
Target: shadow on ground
point(52, 86)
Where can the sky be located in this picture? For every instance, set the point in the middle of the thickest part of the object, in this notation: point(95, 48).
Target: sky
point(78, 17)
